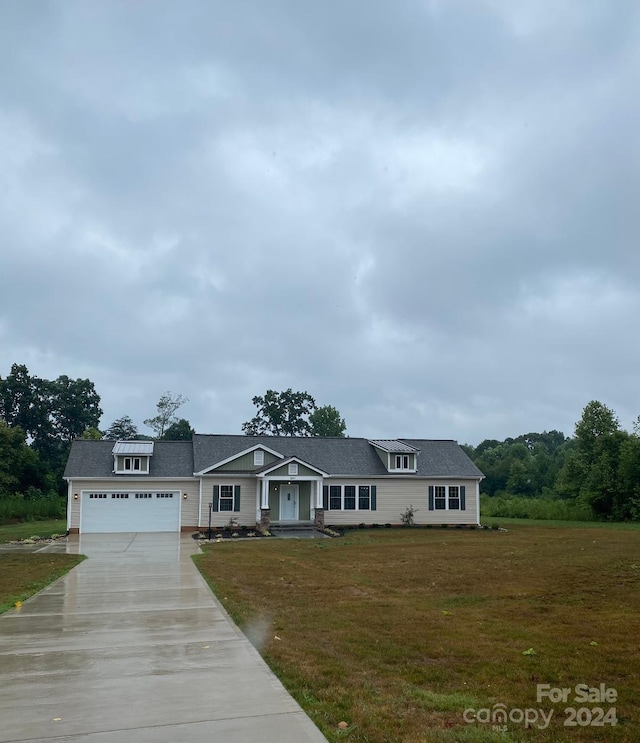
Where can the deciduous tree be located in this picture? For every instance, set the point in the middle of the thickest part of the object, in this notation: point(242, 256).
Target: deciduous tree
point(326, 421)
point(166, 407)
point(281, 414)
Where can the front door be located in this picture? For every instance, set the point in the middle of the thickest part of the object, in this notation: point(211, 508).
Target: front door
point(288, 503)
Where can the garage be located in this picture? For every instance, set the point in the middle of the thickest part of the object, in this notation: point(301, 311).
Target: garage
point(129, 511)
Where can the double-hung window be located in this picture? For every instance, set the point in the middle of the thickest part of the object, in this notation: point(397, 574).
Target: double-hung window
point(447, 498)
point(226, 497)
point(349, 497)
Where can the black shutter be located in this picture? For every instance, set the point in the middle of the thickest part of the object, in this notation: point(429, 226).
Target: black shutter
point(431, 497)
point(374, 488)
point(325, 497)
point(216, 498)
point(236, 498)
point(463, 503)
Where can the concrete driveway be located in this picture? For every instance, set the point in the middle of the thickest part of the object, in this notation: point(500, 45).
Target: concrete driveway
point(133, 646)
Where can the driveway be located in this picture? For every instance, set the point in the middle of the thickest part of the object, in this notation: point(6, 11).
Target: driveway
point(132, 646)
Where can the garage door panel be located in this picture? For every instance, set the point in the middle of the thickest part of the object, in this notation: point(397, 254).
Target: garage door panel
point(127, 511)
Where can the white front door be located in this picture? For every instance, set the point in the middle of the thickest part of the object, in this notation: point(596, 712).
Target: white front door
point(288, 503)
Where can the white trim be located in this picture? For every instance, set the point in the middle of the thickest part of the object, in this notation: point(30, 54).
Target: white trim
point(478, 502)
point(200, 505)
point(69, 502)
point(237, 456)
point(291, 460)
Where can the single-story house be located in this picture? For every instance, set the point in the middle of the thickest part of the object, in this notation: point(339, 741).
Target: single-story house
point(126, 486)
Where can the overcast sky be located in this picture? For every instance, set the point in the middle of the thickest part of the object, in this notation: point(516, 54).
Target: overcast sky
point(422, 212)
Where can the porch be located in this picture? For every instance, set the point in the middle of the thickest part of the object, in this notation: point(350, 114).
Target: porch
point(289, 502)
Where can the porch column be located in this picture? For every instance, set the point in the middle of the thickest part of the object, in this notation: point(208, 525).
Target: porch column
point(265, 513)
point(319, 510)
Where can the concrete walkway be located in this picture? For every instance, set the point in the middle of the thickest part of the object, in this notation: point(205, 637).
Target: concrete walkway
point(133, 646)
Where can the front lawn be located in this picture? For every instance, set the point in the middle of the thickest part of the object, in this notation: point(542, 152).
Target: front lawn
point(397, 632)
point(26, 529)
point(23, 574)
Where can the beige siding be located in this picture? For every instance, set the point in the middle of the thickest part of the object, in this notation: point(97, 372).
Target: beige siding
point(395, 495)
point(188, 505)
point(248, 501)
point(245, 463)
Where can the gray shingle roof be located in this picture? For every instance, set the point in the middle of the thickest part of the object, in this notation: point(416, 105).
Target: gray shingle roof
point(95, 459)
point(336, 456)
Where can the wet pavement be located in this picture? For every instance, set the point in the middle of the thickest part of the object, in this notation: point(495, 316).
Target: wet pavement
point(132, 646)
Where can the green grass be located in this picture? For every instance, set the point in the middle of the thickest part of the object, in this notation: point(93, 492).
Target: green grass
point(396, 632)
point(557, 523)
point(24, 530)
point(24, 574)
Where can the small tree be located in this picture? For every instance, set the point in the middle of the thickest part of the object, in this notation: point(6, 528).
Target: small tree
point(122, 429)
point(326, 421)
point(179, 431)
point(166, 407)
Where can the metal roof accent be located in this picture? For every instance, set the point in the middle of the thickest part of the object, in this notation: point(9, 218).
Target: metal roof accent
point(143, 448)
point(392, 445)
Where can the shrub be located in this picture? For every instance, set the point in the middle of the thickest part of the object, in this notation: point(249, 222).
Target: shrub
point(408, 517)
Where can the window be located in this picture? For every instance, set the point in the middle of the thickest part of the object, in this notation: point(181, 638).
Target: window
point(164, 495)
point(132, 464)
point(343, 497)
point(258, 458)
point(447, 498)
point(335, 497)
point(120, 495)
point(226, 497)
point(349, 497)
point(363, 498)
point(402, 462)
point(98, 496)
point(141, 496)
point(293, 468)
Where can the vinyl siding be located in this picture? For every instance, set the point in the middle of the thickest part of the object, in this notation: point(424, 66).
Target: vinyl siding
point(302, 471)
point(247, 513)
point(395, 495)
point(188, 506)
point(245, 463)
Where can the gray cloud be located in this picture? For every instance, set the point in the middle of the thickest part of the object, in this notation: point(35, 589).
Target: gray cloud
point(423, 214)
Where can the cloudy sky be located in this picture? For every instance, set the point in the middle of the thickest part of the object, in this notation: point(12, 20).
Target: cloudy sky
point(424, 212)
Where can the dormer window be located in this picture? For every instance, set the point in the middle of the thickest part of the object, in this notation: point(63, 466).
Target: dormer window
point(133, 464)
point(132, 457)
point(397, 455)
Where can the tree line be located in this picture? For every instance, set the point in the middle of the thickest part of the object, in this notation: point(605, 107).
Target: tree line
point(596, 471)
point(39, 418)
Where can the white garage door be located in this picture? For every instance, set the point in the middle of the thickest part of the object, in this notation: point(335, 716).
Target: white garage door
point(108, 511)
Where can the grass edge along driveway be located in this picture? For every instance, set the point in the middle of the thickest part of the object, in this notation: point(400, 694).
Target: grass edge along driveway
point(23, 574)
point(397, 632)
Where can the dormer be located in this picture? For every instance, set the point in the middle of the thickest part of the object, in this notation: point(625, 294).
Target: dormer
point(398, 457)
point(132, 457)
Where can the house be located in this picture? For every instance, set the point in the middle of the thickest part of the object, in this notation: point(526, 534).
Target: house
point(127, 486)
